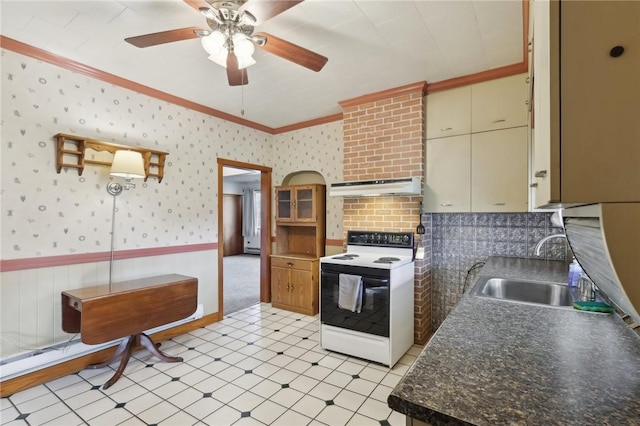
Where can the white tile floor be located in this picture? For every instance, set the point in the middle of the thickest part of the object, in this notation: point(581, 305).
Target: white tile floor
point(258, 366)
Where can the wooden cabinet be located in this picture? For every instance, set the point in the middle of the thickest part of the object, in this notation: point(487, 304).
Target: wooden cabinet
point(298, 203)
point(486, 169)
point(587, 101)
point(482, 172)
point(294, 283)
point(300, 242)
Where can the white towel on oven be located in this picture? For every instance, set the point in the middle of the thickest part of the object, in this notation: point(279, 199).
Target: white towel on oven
point(350, 295)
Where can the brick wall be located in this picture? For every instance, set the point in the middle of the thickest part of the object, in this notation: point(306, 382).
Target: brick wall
point(384, 138)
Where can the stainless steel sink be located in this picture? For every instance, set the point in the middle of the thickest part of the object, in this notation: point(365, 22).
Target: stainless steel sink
point(523, 291)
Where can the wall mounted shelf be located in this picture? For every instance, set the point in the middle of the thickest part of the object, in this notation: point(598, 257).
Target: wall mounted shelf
point(71, 147)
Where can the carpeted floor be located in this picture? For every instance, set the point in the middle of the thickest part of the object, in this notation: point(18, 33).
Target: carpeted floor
point(241, 282)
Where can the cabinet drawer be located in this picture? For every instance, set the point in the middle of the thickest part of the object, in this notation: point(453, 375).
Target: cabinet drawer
point(282, 262)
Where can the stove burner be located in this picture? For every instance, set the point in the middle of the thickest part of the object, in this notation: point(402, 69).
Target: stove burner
point(386, 260)
point(345, 256)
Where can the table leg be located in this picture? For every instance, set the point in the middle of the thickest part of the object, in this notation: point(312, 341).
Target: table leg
point(123, 362)
point(115, 356)
point(125, 349)
point(151, 347)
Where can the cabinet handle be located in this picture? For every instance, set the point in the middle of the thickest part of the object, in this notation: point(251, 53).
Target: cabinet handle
point(527, 80)
point(541, 174)
point(291, 287)
point(499, 120)
point(499, 204)
point(289, 264)
point(533, 185)
point(446, 129)
point(446, 204)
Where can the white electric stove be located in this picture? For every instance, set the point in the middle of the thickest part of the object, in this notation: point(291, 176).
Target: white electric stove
point(382, 331)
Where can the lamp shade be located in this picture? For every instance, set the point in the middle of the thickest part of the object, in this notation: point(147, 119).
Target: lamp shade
point(128, 164)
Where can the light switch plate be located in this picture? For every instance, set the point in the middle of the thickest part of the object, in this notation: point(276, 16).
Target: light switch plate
point(420, 253)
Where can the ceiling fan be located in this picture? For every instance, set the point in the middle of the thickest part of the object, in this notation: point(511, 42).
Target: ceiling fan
point(230, 39)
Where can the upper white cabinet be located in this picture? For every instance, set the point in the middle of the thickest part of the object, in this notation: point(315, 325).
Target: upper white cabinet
point(499, 104)
point(481, 167)
point(587, 101)
point(449, 113)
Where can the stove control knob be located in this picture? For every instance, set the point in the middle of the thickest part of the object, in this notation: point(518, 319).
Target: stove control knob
point(405, 238)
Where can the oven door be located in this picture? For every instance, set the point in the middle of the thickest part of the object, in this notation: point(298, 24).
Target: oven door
point(374, 315)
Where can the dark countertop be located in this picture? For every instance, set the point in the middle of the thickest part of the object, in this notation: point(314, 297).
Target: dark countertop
point(494, 362)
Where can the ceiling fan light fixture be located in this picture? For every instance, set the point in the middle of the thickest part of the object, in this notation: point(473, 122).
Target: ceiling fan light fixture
point(220, 58)
point(214, 43)
point(244, 62)
point(242, 46)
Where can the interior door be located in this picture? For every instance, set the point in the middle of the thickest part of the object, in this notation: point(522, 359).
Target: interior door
point(232, 239)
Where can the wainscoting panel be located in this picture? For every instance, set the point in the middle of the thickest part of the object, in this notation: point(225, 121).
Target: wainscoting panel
point(31, 316)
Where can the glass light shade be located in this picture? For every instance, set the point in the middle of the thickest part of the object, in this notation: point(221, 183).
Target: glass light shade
point(242, 46)
point(220, 58)
point(213, 43)
point(128, 164)
point(245, 62)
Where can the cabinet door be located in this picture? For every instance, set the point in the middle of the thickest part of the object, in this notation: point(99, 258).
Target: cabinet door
point(600, 101)
point(300, 288)
point(284, 204)
point(280, 285)
point(449, 112)
point(499, 103)
point(448, 181)
point(546, 104)
point(499, 171)
point(305, 204)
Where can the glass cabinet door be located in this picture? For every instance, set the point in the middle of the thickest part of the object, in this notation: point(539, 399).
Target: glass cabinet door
point(304, 204)
point(284, 204)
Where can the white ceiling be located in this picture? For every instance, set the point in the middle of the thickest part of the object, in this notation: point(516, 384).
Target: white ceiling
point(371, 46)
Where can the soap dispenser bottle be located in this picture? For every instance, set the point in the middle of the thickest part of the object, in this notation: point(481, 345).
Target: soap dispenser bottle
point(575, 272)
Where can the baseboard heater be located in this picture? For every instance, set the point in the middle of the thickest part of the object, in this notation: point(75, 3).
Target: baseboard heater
point(252, 250)
point(22, 364)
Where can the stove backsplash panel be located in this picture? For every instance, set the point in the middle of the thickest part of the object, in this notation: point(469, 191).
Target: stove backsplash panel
point(460, 240)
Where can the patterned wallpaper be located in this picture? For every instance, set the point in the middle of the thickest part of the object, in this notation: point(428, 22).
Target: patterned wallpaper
point(317, 148)
point(47, 214)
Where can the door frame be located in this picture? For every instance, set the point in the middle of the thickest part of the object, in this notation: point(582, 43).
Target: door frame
point(265, 232)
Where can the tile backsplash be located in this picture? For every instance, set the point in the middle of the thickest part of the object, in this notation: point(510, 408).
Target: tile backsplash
point(461, 240)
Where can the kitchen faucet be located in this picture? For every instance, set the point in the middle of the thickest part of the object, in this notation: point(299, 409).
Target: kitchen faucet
point(545, 239)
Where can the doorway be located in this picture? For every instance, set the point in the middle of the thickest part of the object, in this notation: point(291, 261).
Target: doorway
point(231, 244)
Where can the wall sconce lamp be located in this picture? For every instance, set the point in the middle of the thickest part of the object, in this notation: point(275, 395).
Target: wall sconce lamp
point(129, 165)
point(126, 164)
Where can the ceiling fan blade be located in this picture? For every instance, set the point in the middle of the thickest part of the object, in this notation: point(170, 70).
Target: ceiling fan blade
point(292, 52)
point(154, 39)
point(236, 76)
point(266, 9)
point(197, 4)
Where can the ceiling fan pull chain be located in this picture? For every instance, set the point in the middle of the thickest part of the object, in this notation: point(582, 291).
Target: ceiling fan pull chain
point(242, 97)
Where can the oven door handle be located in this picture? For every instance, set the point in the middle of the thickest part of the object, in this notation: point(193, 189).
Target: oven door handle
point(366, 281)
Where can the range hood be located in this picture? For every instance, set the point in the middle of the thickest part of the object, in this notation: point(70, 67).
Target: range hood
point(605, 239)
point(378, 187)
